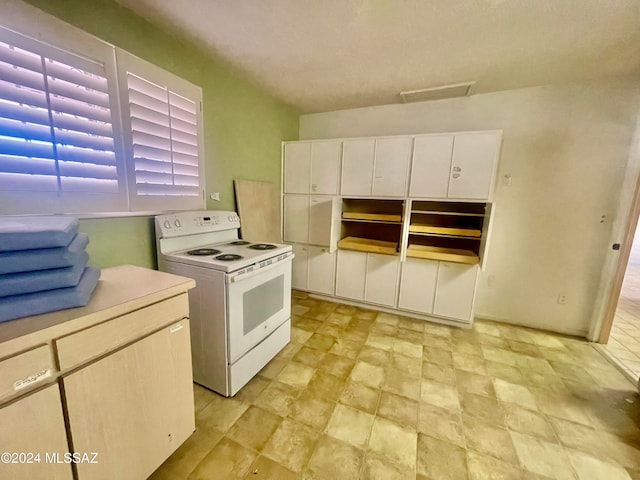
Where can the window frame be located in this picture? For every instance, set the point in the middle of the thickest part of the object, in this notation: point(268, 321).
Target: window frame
point(66, 41)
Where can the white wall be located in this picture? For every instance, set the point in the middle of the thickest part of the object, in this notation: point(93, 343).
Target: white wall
point(566, 148)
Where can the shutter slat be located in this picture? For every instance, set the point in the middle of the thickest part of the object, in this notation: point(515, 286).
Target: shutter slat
point(183, 126)
point(145, 151)
point(152, 128)
point(73, 107)
point(149, 115)
point(15, 93)
point(183, 115)
point(21, 76)
point(178, 190)
point(77, 139)
point(40, 183)
point(158, 106)
point(84, 170)
point(78, 93)
point(184, 137)
point(21, 58)
point(88, 185)
point(141, 138)
point(186, 159)
point(31, 166)
point(147, 88)
point(69, 122)
point(76, 76)
point(184, 148)
point(22, 130)
point(25, 114)
point(85, 155)
point(152, 165)
point(24, 148)
point(185, 104)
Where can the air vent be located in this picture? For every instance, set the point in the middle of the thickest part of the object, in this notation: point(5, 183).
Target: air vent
point(438, 93)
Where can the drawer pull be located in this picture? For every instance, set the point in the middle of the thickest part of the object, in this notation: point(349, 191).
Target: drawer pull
point(31, 379)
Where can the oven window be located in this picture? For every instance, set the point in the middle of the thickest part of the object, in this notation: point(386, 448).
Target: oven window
point(262, 302)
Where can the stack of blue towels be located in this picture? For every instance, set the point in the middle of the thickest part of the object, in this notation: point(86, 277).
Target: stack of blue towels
point(43, 266)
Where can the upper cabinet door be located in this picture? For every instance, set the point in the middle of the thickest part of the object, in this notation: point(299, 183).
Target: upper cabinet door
point(320, 220)
point(357, 167)
point(431, 166)
point(325, 167)
point(473, 165)
point(391, 167)
point(297, 170)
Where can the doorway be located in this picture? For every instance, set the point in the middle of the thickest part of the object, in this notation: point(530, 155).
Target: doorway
point(623, 344)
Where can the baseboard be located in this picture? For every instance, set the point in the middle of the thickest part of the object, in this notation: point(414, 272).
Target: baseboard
point(563, 331)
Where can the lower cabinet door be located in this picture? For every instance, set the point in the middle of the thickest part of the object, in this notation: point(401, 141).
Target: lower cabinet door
point(134, 407)
point(300, 266)
point(34, 425)
point(382, 279)
point(322, 269)
point(418, 285)
point(455, 291)
point(350, 274)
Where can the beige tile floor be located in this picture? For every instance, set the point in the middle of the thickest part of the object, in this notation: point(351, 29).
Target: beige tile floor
point(624, 341)
point(365, 395)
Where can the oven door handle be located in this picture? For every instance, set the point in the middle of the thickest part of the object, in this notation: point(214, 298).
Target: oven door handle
point(239, 276)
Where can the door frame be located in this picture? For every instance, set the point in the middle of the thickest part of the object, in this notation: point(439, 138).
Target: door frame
point(623, 232)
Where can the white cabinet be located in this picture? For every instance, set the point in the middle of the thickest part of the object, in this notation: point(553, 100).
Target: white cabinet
point(455, 290)
point(391, 167)
point(350, 274)
point(357, 167)
point(312, 167)
point(321, 270)
point(299, 267)
point(311, 220)
point(381, 279)
point(376, 167)
point(367, 276)
point(431, 166)
point(418, 285)
point(297, 167)
point(313, 269)
point(473, 165)
point(458, 166)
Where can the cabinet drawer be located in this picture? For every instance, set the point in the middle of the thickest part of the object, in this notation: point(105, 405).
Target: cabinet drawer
point(96, 341)
point(22, 371)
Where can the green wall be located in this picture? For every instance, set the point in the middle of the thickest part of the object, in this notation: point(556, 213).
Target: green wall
point(243, 125)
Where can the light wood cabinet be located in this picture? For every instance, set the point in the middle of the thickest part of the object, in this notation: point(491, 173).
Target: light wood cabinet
point(312, 167)
point(134, 406)
point(120, 366)
point(35, 424)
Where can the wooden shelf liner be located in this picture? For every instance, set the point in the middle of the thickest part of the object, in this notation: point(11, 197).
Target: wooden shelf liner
point(442, 253)
point(368, 245)
point(462, 232)
point(372, 216)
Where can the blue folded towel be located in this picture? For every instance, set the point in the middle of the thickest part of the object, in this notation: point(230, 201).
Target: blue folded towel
point(18, 306)
point(44, 258)
point(26, 233)
point(38, 280)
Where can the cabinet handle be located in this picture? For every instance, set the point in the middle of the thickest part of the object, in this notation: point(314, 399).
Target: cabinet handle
point(456, 175)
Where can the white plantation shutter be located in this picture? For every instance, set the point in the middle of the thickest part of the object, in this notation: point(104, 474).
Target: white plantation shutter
point(57, 147)
point(163, 122)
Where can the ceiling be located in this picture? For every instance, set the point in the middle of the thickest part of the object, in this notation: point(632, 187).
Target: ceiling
point(324, 55)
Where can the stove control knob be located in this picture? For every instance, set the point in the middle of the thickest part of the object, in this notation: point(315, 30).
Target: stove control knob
point(167, 224)
point(231, 218)
point(177, 223)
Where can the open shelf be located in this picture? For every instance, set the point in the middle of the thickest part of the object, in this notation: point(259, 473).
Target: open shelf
point(442, 253)
point(372, 217)
point(419, 228)
point(368, 245)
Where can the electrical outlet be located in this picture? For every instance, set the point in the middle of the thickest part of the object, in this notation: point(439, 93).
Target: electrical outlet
point(215, 196)
point(562, 298)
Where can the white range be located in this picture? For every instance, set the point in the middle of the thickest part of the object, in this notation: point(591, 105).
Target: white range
point(240, 310)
